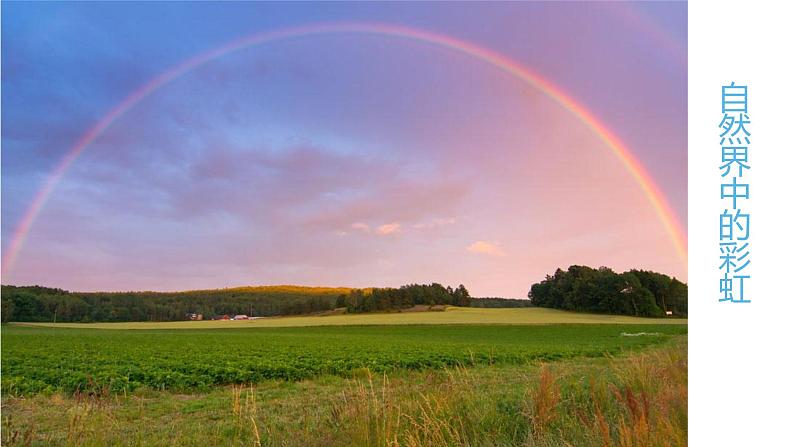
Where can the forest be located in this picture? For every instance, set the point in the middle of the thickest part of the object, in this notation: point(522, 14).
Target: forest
point(635, 292)
point(39, 304)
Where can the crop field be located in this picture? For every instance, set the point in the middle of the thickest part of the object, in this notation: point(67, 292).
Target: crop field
point(638, 397)
point(452, 315)
point(37, 359)
point(424, 379)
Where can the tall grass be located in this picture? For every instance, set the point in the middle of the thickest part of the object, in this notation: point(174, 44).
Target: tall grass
point(634, 400)
point(640, 400)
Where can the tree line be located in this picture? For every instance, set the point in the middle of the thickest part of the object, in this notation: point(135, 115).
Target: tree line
point(43, 304)
point(635, 292)
point(48, 304)
point(580, 289)
point(381, 299)
point(494, 302)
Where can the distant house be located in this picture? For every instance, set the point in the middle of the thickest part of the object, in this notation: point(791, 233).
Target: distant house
point(194, 317)
point(240, 317)
point(221, 317)
point(669, 313)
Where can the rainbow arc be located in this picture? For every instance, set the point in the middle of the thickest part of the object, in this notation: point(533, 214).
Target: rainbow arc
point(616, 146)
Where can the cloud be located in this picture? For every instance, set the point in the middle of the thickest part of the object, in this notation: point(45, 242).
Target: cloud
point(388, 193)
point(388, 229)
point(486, 248)
point(437, 222)
point(382, 230)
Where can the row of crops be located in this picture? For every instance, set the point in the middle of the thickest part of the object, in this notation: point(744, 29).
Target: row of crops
point(44, 360)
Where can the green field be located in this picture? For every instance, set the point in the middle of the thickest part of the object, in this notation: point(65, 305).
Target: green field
point(529, 376)
point(453, 315)
point(37, 359)
point(638, 398)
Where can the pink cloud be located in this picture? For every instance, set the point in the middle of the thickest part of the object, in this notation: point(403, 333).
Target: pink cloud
point(486, 248)
point(388, 229)
point(435, 223)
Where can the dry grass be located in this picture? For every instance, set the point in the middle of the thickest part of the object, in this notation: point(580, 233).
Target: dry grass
point(635, 401)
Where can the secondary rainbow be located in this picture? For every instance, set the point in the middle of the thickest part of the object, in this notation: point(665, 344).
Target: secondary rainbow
point(618, 148)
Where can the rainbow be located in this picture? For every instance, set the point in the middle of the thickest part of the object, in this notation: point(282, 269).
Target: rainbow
point(618, 148)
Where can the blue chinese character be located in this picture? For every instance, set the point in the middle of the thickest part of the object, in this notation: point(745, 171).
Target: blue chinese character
point(732, 255)
point(729, 124)
point(740, 221)
point(731, 155)
point(735, 191)
point(726, 289)
point(734, 98)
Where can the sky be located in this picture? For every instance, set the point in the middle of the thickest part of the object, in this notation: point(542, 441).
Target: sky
point(339, 158)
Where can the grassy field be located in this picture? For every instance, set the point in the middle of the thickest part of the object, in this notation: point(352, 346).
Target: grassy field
point(428, 378)
point(637, 399)
point(453, 315)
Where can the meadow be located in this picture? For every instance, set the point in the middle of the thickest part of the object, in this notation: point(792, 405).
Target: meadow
point(638, 398)
point(355, 381)
point(452, 315)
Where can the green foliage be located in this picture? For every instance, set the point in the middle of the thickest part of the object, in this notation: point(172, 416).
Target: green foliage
point(50, 359)
point(406, 296)
point(636, 292)
point(494, 303)
point(41, 304)
point(7, 310)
